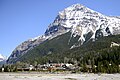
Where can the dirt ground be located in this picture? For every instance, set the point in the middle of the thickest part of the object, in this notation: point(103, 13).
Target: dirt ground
point(47, 76)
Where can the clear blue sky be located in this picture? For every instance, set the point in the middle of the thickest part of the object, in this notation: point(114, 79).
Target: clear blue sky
point(24, 19)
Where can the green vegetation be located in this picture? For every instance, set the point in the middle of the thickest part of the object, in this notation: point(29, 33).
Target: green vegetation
point(92, 56)
point(48, 48)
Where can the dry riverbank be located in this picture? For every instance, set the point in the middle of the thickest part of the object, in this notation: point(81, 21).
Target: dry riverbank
point(46, 76)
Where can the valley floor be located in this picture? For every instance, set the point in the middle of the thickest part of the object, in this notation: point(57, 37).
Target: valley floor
point(46, 76)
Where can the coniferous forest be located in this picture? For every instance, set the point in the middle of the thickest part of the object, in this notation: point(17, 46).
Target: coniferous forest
point(93, 56)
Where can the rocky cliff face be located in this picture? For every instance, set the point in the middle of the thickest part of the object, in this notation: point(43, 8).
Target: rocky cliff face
point(77, 19)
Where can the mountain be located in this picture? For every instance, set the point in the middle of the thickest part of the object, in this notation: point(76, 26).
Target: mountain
point(76, 25)
point(2, 59)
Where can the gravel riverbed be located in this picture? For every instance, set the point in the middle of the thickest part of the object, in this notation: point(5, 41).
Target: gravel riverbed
point(47, 76)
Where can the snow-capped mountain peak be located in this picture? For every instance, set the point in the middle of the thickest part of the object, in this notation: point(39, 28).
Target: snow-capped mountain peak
point(1, 57)
point(83, 20)
point(71, 16)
